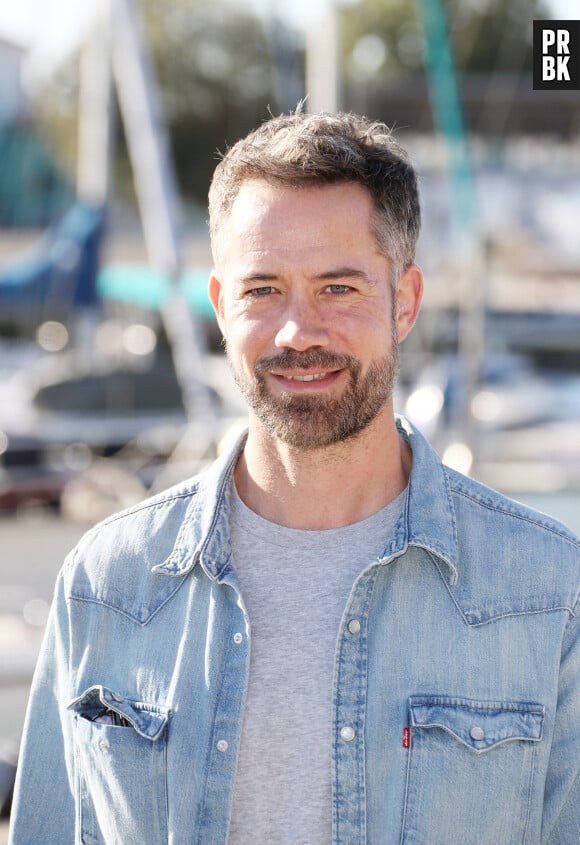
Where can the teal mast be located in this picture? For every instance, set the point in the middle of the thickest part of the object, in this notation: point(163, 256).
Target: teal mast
point(448, 119)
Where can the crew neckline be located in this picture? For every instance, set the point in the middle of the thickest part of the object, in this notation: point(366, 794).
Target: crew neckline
point(252, 523)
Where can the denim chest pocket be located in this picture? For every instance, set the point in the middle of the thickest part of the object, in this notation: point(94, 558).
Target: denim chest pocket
point(470, 770)
point(120, 757)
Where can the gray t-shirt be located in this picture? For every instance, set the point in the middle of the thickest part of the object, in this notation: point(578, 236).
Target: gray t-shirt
point(295, 585)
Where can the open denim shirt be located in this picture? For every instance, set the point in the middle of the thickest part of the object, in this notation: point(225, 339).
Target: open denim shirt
point(456, 698)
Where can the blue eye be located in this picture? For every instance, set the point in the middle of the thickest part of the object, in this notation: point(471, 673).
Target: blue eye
point(338, 288)
point(263, 291)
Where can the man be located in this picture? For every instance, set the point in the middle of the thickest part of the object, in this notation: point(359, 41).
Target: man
point(328, 636)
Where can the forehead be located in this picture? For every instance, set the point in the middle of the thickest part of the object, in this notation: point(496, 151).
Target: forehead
point(266, 216)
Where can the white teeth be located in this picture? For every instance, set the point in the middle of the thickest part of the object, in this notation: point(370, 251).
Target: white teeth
point(315, 377)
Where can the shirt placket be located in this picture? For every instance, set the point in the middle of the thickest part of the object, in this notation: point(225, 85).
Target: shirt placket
point(225, 738)
point(349, 709)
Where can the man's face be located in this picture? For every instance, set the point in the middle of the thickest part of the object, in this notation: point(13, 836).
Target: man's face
point(303, 298)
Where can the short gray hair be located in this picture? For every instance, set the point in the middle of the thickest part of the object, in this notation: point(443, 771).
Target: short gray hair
point(318, 149)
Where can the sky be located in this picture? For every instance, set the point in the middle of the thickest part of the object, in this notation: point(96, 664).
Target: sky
point(51, 28)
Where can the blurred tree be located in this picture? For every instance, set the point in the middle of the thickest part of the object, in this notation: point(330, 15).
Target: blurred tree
point(383, 38)
point(221, 71)
point(216, 78)
point(214, 70)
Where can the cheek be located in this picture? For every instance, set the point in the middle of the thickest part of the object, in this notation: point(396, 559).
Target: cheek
point(247, 338)
point(371, 329)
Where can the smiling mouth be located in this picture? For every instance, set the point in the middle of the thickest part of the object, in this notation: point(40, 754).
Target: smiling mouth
point(309, 377)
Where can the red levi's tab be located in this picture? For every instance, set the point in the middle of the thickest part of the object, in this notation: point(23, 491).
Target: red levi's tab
point(406, 738)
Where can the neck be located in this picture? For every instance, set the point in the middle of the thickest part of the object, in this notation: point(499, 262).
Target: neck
point(323, 488)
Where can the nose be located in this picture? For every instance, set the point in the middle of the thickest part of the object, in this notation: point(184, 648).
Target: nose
point(302, 327)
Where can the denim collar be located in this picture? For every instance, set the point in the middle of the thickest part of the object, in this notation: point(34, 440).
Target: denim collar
point(427, 519)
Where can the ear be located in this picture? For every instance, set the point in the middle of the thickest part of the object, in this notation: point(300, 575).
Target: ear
point(409, 296)
point(215, 292)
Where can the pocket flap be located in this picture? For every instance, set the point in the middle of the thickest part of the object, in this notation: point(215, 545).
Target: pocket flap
point(478, 724)
point(149, 720)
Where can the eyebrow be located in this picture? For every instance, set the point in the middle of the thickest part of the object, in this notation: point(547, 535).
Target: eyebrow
point(257, 277)
point(346, 273)
point(343, 273)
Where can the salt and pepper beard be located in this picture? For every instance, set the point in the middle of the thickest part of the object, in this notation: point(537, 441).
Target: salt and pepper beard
point(314, 421)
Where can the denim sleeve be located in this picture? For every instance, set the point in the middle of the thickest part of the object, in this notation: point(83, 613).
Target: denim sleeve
point(44, 807)
point(561, 822)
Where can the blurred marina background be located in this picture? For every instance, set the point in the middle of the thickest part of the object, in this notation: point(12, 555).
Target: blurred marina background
point(113, 383)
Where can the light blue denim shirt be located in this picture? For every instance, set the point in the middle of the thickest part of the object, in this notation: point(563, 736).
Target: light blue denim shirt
point(456, 696)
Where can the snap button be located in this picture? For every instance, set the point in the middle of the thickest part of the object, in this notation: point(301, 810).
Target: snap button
point(222, 745)
point(347, 733)
point(477, 733)
point(104, 745)
point(238, 638)
point(354, 626)
point(116, 697)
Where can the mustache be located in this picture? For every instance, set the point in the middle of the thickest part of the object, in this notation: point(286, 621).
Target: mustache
point(290, 359)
